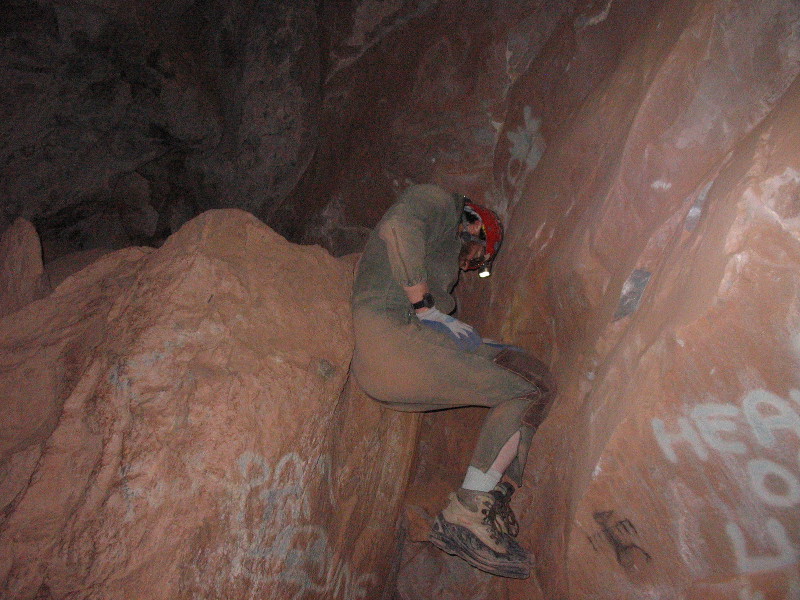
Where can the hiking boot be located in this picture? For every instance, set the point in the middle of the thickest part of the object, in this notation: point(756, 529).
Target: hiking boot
point(473, 530)
point(504, 517)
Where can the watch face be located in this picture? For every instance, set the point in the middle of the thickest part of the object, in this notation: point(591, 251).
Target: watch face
point(426, 302)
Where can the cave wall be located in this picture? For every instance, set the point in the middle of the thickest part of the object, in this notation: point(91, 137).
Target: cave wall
point(661, 228)
point(643, 163)
point(123, 120)
point(642, 155)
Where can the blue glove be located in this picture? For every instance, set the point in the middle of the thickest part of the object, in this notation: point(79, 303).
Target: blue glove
point(465, 336)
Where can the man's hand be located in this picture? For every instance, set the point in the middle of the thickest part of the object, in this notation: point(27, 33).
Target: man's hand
point(465, 336)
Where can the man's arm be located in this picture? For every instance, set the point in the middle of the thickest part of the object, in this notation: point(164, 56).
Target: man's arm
point(415, 293)
point(403, 231)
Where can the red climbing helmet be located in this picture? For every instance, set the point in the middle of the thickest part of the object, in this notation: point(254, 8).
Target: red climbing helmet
point(492, 228)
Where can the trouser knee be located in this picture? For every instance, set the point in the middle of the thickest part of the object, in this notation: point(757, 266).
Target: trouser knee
point(524, 413)
point(539, 400)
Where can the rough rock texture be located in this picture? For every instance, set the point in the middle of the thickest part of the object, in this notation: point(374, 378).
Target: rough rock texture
point(22, 277)
point(122, 120)
point(660, 249)
point(645, 164)
point(177, 423)
point(643, 156)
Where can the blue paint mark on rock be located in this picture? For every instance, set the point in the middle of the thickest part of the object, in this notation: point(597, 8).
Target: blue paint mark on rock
point(632, 292)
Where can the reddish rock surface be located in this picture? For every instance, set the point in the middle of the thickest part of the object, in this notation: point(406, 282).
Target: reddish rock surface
point(643, 156)
point(669, 467)
point(645, 168)
point(22, 276)
point(177, 424)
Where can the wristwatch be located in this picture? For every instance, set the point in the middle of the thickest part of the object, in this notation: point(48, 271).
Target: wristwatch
point(426, 302)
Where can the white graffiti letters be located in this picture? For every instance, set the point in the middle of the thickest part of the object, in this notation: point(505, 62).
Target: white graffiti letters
point(785, 493)
point(717, 427)
point(279, 542)
point(712, 419)
point(748, 563)
point(784, 416)
point(686, 434)
point(765, 423)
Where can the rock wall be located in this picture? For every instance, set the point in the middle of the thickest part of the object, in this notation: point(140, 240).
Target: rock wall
point(178, 423)
point(22, 276)
point(123, 120)
point(644, 163)
point(642, 155)
point(649, 236)
point(664, 257)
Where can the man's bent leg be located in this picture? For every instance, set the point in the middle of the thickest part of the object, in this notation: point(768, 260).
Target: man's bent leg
point(507, 453)
point(427, 372)
point(478, 524)
point(520, 417)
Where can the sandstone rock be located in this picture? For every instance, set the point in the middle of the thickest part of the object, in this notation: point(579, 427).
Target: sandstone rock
point(132, 195)
point(62, 267)
point(203, 442)
point(657, 468)
point(22, 278)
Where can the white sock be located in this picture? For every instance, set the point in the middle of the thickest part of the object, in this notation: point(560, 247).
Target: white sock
point(478, 481)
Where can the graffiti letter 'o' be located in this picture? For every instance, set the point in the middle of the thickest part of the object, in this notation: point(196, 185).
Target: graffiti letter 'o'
point(760, 469)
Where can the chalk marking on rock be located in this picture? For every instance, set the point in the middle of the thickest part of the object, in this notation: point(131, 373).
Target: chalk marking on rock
point(748, 594)
point(595, 19)
point(764, 425)
point(696, 211)
point(751, 563)
point(526, 150)
point(298, 553)
point(774, 484)
point(712, 419)
point(760, 470)
point(686, 433)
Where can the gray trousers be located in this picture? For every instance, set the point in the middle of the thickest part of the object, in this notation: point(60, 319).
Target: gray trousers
point(412, 368)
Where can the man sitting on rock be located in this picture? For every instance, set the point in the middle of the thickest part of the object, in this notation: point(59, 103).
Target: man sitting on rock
point(411, 355)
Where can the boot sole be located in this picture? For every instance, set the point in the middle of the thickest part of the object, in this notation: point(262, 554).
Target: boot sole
point(460, 541)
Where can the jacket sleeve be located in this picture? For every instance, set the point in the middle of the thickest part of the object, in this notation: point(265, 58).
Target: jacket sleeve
point(406, 229)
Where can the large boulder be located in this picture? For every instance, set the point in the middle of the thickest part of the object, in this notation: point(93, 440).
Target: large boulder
point(178, 423)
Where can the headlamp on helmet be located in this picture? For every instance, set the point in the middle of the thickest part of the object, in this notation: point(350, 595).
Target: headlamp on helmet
point(491, 234)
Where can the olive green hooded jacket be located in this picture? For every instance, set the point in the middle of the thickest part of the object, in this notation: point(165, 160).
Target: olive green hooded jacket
point(408, 366)
point(415, 241)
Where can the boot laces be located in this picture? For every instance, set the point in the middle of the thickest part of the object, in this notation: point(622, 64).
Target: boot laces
point(499, 516)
